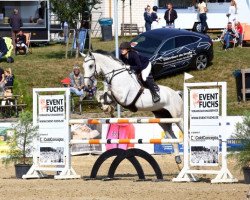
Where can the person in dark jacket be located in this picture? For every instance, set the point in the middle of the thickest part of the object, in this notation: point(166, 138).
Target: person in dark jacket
point(148, 18)
point(140, 65)
point(170, 16)
point(3, 47)
point(21, 42)
point(15, 23)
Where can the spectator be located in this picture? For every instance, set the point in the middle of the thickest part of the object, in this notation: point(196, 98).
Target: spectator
point(228, 35)
point(170, 16)
point(3, 48)
point(232, 12)
point(148, 18)
point(239, 30)
point(65, 27)
point(9, 78)
point(2, 82)
point(155, 19)
point(41, 10)
point(76, 82)
point(202, 9)
point(21, 42)
point(15, 23)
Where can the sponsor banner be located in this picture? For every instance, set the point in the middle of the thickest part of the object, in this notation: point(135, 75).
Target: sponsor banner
point(204, 127)
point(139, 131)
point(86, 132)
point(51, 111)
point(204, 145)
point(5, 131)
point(53, 129)
point(204, 107)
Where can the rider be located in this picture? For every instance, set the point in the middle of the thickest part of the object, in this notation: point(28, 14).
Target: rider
point(140, 65)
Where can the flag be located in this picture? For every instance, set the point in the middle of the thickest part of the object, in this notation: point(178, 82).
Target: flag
point(187, 76)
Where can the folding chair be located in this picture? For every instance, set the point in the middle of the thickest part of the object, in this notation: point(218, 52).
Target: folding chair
point(28, 36)
point(233, 42)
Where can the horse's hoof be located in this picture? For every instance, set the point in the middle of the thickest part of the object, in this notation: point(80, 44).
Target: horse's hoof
point(178, 160)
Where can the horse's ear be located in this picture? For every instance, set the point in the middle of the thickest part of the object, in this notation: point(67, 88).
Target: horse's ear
point(90, 53)
point(83, 55)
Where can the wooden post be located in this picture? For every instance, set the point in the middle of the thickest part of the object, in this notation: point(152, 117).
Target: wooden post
point(244, 90)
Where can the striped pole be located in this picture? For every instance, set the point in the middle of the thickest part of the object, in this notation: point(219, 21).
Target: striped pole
point(124, 120)
point(127, 141)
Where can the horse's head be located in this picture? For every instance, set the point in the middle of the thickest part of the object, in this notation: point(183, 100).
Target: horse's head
point(89, 66)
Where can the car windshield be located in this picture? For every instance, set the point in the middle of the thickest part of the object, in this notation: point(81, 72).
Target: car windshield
point(146, 44)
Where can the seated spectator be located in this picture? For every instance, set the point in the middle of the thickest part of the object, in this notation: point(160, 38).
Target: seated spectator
point(9, 78)
point(228, 35)
point(1, 82)
point(239, 30)
point(76, 83)
point(21, 42)
point(3, 48)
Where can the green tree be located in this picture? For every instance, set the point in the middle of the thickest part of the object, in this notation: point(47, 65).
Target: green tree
point(74, 12)
point(20, 142)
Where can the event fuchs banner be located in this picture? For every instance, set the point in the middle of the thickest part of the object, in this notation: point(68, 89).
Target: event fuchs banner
point(52, 126)
point(204, 127)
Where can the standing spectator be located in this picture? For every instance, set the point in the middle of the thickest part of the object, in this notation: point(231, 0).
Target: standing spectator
point(155, 19)
point(42, 10)
point(77, 82)
point(228, 35)
point(232, 13)
point(239, 30)
point(3, 48)
point(21, 42)
point(65, 27)
point(202, 9)
point(148, 18)
point(170, 16)
point(15, 23)
point(2, 82)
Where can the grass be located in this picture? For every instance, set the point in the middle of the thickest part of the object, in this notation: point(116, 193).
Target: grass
point(46, 66)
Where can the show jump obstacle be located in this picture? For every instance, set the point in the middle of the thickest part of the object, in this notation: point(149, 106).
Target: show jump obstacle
point(204, 124)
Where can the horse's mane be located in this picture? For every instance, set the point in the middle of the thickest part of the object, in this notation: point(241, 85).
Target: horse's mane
point(110, 54)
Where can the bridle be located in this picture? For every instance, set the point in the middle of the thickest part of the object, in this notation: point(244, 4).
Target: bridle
point(113, 73)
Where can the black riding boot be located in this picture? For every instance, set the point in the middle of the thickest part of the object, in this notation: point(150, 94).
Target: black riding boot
point(151, 85)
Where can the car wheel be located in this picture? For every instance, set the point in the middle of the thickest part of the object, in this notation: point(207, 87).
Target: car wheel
point(201, 61)
point(197, 27)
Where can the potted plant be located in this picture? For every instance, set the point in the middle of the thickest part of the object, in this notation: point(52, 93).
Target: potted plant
point(20, 144)
point(242, 133)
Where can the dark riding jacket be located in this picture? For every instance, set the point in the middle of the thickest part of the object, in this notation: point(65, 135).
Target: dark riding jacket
point(136, 61)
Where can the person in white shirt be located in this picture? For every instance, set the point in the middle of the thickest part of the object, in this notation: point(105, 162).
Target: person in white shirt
point(232, 12)
point(202, 9)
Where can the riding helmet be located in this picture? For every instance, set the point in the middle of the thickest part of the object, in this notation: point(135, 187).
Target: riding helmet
point(155, 8)
point(125, 45)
